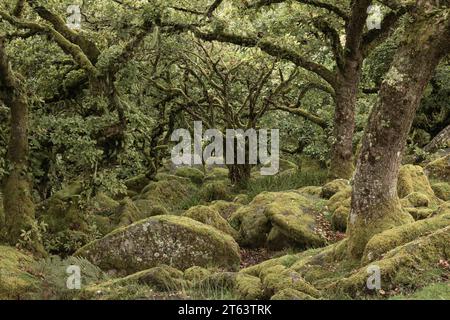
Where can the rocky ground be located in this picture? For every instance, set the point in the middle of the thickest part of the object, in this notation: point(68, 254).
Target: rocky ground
point(188, 235)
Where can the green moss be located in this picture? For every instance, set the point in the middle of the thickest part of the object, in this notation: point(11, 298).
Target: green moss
point(416, 200)
point(276, 279)
point(177, 241)
point(290, 212)
point(193, 174)
point(15, 280)
point(385, 216)
point(340, 199)
point(225, 208)
point(137, 183)
point(420, 213)
point(217, 173)
point(210, 217)
point(248, 287)
point(333, 187)
point(405, 268)
point(126, 214)
point(311, 190)
point(149, 209)
point(217, 190)
point(390, 239)
point(439, 168)
point(169, 194)
point(291, 294)
point(413, 179)
point(442, 190)
point(196, 274)
point(339, 219)
point(241, 199)
point(101, 204)
point(161, 278)
point(435, 291)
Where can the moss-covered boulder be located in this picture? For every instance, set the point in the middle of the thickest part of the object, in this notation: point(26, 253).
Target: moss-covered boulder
point(162, 278)
point(340, 199)
point(420, 213)
point(137, 183)
point(225, 208)
point(333, 187)
point(290, 213)
point(416, 200)
point(126, 214)
point(412, 179)
point(279, 278)
point(311, 190)
point(168, 193)
point(195, 274)
point(291, 294)
point(211, 217)
point(176, 241)
point(216, 190)
point(439, 169)
point(339, 219)
point(442, 190)
point(193, 174)
point(149, 209)
point(16, 283)
point(248, 287)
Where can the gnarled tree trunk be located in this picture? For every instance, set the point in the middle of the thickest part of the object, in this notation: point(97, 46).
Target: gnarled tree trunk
point(375, 203)
point(17, 199)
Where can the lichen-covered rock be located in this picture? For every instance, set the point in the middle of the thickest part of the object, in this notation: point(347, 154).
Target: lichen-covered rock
point(442, 190)
point(290, 212)
point(291, 294)
point(333, 187)
point(193, 174)
point(413, 179)
point(440, 168)
point(225, 208)
point(177, 241)
point(339, 219)
point(15, 280)
point(211, 217)
point(248, 287)
point(395, 237)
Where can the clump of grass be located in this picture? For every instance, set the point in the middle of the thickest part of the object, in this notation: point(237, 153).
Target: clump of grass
point(286, 182)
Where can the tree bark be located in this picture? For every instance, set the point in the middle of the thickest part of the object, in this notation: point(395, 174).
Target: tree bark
point(375, 202)
point(17, 199)
point(344, 121)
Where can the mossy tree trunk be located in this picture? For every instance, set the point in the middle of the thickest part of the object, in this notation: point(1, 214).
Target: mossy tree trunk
point(17, 199)
point(375, 203)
